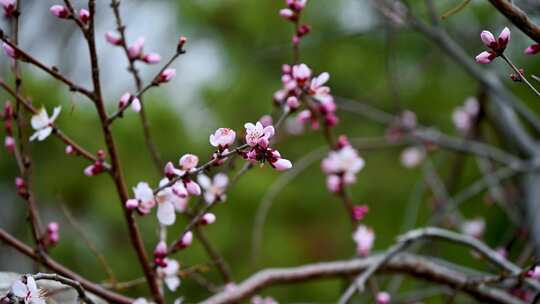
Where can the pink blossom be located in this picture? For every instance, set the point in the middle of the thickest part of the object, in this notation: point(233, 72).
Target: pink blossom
point(70, 150)
point(359, 212)
point(333, 183)
point(296, 5)
point(464, 116)
point(152, 58)
point(222, 138)
point(532, 49)
point(497, 46)
point(126, 99)
point(214, 189)
point(364, 238)
point(169, 200)
point(192, 187)
point(166, 75)
point(256, 134)
point(60, 11)
point(53, 234)
point(303, 30)
point(181, 42)
point(261, 300)
point(188, 162)
point(344, 161)
point(9, 143)
point(287, 14)
point(207, 219)
point(9, 51)
point(534, 273)
point(301, 73)
point(42, 123)
point(161, 250)
point(113, 38)
point(144, 197)
point(19, 183)
point(411, 157)
point(474, 227)
point(186, 240)
point(281, 164)
point(94, 169)
point(9, 7)
point(293, 103)
point(486, 57)
point(266, 120)
point(171, 172)
point(28, 292)
point(169, 274)
point(136, 49)
point(84, 15)
point(383, 297)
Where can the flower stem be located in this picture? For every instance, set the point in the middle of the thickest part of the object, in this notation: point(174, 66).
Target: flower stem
point(522, 77)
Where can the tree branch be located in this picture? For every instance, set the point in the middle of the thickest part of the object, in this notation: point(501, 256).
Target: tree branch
point(518, 17)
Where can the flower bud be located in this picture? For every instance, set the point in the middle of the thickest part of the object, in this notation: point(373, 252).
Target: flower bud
point(152, 58)
point(166, 75)
point(186, 240)
point(207, 219)
point(84, 16)
point(60, 11)
point(132, 204)
point(113, 38)
point(9, 143)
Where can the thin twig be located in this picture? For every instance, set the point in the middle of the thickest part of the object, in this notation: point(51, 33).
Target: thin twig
point(66, 281)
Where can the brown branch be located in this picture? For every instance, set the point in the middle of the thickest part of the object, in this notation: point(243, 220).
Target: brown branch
point(116, 171)
point(432, 270)
point(66, 281)
point(48, 262)
point(25, 57)
point(518, 17)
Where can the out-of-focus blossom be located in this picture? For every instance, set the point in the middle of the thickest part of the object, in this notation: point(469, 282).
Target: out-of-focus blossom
point(359, 212)
point(9, 51)
point(42, 123)
point(260, 300)
point(207, 219)
point(125, 100)
point(214, 189)
point(186, 240)
point(465, 116)
point(474, 227)
point(383, 297)
point(169, 274)
point(113, 38)
point(532, 49)
point(169, 200)
point(152, 58)
point(341, 167)
point(53, 233)
point(534, 273)
point(364, 238)
point(9, 143)
point(411, 157)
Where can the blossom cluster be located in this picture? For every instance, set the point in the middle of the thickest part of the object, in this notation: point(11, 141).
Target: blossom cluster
point(341, 166)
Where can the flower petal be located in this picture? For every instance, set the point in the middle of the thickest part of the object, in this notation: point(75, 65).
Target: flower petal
point(166, 214)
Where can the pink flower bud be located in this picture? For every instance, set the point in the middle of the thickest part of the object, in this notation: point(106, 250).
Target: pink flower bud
point(295, 40)
point(136, 105)
point(331, 119)
point(70, 150)
point(9, 7)
point(207, 219)
point(166, 75)
point(84, 15)
point(101, 154)
point(188, 162)
point(288, 14)
point(170, 170)
point(186, 241)
point(9, 143)
point(53, 227)
point(60, 11)
point(282, 164)
point(333, 183)
point(135, 50)
point(533, 49)
point(193, 188)
point(343, 141)
point(124, 99)
point(303, 30)
point(222, 138)
point(301, 73)
point(9, 51)
point(359, 212)
point(293, 103)
point(534, 273)
point(383, 298)
point(304, 116)
point(8, 110)
point(113, 38)
point(161, 250)
point(152, 58)
point(181, 42)
point(504, 38)
point(19, 183)
point(266, 120)
point(132, 204)
point(488, 39)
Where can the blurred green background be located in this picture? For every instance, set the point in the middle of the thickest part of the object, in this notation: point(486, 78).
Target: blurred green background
point(390, 68)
